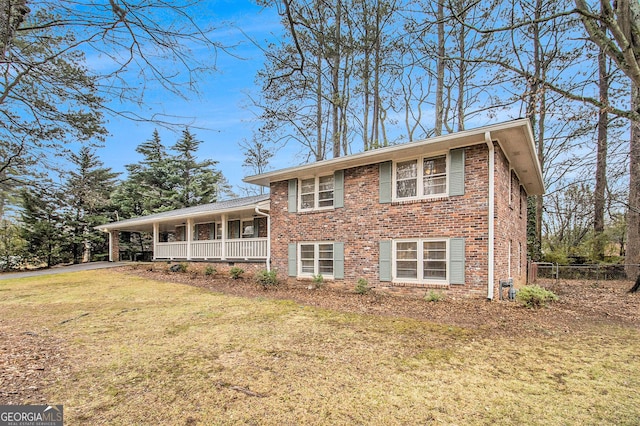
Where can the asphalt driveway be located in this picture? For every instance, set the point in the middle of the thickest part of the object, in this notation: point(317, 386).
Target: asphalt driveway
point(61, 270)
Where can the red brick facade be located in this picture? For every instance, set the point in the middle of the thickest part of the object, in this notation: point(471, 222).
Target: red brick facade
point(363, 222)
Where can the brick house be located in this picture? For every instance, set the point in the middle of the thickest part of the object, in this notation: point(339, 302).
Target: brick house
point(447, 213)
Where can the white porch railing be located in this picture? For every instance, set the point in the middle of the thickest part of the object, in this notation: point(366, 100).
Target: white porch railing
point(171, 250)
point(249, 248)
point(206, 249)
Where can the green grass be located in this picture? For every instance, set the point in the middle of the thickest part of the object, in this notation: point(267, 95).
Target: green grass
point(147, 352)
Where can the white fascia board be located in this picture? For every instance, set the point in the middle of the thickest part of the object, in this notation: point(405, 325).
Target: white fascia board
point(437, 144)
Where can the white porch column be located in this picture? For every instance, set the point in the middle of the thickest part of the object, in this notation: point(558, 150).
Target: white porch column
point(110, 246)
point(224, 236)
point(189, 237)
point(156, 237)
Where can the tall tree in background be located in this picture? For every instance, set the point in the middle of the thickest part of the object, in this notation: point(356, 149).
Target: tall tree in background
point(194, 182)
point(616, 30)
point(43, 225)
point(256, 158)
point(599, 196)
point(147, 188)
point(88, 188)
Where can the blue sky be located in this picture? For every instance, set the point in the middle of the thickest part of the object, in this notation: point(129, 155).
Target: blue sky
point(220, 115)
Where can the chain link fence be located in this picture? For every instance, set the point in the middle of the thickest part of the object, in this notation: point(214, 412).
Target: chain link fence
point(597, 272)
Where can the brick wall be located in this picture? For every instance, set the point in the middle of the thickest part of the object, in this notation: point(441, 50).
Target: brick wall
point(510, 223)
point(363, 222)
point(115, 246)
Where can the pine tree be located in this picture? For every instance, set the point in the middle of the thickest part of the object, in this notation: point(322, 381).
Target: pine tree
point(88, 193)
point(42, 225)
point(194, 182)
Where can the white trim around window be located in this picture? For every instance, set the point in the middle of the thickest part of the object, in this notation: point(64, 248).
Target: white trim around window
point(316, 258)
point(424, 261)
point(421, 178)
point(316, 193)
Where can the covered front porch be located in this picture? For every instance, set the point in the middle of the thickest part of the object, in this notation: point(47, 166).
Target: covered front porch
point(234, 230)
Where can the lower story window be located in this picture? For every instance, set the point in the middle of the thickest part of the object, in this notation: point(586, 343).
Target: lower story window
point(316, 259)
point(420, 260)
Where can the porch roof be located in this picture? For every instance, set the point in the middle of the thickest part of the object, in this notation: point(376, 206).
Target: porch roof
point(145, 223)
point(514, 137)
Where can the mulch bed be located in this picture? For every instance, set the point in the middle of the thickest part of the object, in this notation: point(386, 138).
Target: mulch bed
point(581, 303)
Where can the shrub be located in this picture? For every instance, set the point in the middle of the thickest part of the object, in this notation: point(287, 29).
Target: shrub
point(267, 278)
point(236, 272)
point(179, 267)
point(318, 281)
point(210, 270)
point(362, 286)
point(534, 296)
point(433, 296)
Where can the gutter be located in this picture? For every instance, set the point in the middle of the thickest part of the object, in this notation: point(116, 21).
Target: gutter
point(257, 210)
point(491, 249)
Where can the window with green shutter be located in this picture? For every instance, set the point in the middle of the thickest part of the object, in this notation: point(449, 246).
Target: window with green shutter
point(317, 258)
point(428, 261)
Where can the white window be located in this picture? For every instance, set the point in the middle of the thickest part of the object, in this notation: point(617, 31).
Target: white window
point(421, 178)
point(316, 193)
point(316, 259)
point(420, 260)
point(247, 228)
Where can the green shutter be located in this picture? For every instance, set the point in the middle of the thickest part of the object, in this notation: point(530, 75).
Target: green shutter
point(385, 260)
point(338, 189)
point(338, 261)
point(456, 173)
point(385, 181)
point(456, 261)
point(293, 195)
point(293, 261)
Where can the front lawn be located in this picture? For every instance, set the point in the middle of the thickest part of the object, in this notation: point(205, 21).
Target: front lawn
point(119, 349)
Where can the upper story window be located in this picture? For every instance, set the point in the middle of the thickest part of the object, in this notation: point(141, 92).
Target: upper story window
point(421, 178)
point(316, 193)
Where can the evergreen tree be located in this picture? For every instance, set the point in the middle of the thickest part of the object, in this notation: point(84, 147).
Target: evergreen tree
point(194, 182)
point(147, 187)
point(42, 226)
point(88, 193)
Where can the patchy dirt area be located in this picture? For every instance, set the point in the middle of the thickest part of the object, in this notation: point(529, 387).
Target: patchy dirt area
point(30, 360)
point(581, 304)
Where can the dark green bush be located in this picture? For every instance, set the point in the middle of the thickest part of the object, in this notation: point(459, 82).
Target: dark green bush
point(267, 278)
point(236, 272)
point(362, 286)
point(179, 267)
point(210, 270)
point(534, 296)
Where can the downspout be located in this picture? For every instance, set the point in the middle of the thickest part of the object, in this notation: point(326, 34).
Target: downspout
point(257, 210)
point(491, 251)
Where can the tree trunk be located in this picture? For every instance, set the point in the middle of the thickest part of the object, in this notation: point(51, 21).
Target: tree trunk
point(440, 72)
point(319, 143)
point(335, 78)
point(632, 258)
point(462, 72)
point(537, 107)
point(601, 160)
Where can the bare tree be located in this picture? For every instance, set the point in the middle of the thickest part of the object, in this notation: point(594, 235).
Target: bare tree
point(49, 95)
point(616, 30)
